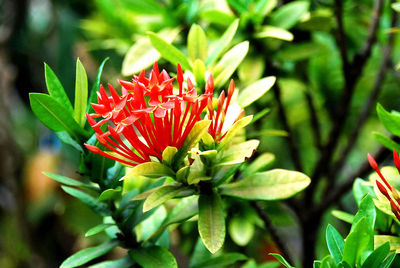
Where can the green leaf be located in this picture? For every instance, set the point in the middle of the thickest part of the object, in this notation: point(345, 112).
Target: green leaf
point(161, 195)
point(233, 130)
point(90, 201)
point(185, 209)
point(238, 153)
point(88, 254)
point(391, 121)
point(168, 51)
point(270, 185)
point(211, 221)
point(281, 260)
point(388, 262)
point(357, 242)
point(81, 94)
point(225, 260)
point(393, 240)
point(53, 115)
point(69, 181)
point(274, 32)
point(199, 70)
point(56, 90)
point(396, 7)
point(360, 189)
point(67, 139)
point(95, 88)
point(344, 216)
point(241, 230)
point(110, 194)
point(97, 229)
point(168, 155)
point(153, 257)
point(126, 262)
point(217, 16)
point(151, 170)
point(335, 243)
point(328, 262)
point(288, 15)
point(197, 43)
point(366, 210)
point(261, 163)
point(222, 43)
point(195, 135)
point(142, 54)
point(229, 62)
point(375, 259)
point(386, 141)
point(255, 91)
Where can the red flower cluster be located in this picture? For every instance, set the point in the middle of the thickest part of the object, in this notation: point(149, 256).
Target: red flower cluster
point(149, 116)
point(394, 199)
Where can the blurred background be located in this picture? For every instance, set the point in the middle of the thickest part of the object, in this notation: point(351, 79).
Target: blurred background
point(40, 225)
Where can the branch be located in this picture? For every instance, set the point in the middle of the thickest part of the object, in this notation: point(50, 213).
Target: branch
point(294, 152)
point(268, 224)
point(366, 109)
point(351, 76)
point(314, 119)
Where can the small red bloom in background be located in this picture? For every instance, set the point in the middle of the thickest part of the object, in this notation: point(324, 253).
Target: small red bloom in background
point(386, 188)
point(147, 117)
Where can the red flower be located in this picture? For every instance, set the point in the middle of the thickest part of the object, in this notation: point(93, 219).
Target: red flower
point(147, 117)
point(394, 199)
point(225, 115)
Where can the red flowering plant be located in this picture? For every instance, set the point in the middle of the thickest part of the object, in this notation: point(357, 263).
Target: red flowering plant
point(163, 128)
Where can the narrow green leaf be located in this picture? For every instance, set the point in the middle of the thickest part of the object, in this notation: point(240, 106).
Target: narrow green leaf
point(169, 52)
point(261, 163)
point(377, 256)
point(225, 260)
point(81, 94)
point(110, 194)
point(328, 262)
point(95, 88)
point(229, 62)
point(255, 91)
point(238, 153)
point(69, 181)
point(386, 141)
point(335, 243)
point(97, 229)
point(88, 254)
point(151, 170)
point(391, 121)
point(126, 262)
point(56, 90)
point(288, 15)
point(217, 16)
point(53, 115)
point(222, 43)
point(161, 195)
point(211, 221)
point(366, 210)
point(153, 257)
point(97, 206)
point(199, 70)
point(195, 135)
point(142, 54)
point(356, 242)
point(393, 240)
point(168, 155)
point(185, 209)
point(274, 32)
point(270, 185)
point(388, 262)
point(67, 139)
point(344, 216)
point(233, 130)
point(197, 43)
point(281, 260)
